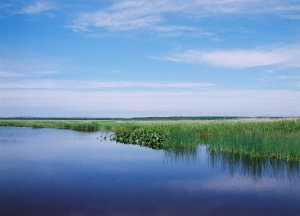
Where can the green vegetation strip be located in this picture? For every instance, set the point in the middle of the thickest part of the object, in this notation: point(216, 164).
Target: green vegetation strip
point(149, 139)
point(271, 138)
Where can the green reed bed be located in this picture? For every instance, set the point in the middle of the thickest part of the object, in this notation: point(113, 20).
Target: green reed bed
point(271, 138)
point(80, 125)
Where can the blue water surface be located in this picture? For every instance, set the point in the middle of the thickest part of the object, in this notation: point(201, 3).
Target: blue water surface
point(65, 172)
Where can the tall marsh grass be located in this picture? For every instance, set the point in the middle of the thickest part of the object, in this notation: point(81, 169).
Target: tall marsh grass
point(271, 138)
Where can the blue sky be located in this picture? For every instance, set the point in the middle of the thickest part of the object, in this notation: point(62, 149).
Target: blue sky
point(129, 58)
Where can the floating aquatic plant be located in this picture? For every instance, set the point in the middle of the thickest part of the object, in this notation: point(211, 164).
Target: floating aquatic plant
point(149, 139)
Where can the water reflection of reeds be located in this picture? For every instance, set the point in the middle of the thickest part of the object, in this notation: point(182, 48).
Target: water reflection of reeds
point(254, 167)
point(243, 154)
point(181, 154)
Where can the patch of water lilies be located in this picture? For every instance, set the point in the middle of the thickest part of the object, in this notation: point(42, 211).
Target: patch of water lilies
point(148, 139)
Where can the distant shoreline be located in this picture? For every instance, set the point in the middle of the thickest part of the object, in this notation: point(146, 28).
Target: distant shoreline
point(150, 118)
point(275, 137)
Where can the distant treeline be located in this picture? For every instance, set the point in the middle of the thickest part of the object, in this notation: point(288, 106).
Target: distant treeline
point(143, 118)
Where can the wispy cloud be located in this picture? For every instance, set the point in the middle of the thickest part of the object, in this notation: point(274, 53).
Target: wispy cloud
point(136, 14)
point(289, 77)
point(17, 7)
point(20, 64)
point(37, 8)
point(150, 103)
point(9, 74)
point(93, 85)
point(123, 16)
point(287, 56)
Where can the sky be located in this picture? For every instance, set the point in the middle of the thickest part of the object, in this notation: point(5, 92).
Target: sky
point(137, 58)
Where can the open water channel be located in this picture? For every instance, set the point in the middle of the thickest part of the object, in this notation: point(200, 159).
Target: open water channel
point(65, 172)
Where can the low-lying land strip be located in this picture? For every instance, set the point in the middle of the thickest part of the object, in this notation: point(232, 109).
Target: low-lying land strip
point(256, 137)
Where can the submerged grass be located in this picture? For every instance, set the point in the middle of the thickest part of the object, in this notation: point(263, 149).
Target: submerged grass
point(271, 138)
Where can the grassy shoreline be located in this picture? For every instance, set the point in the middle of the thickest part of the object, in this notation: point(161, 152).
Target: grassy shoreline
point(256, 137)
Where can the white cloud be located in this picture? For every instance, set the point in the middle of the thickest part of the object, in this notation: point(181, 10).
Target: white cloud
point(136, 14)
point(37, 8)
point(123, 16)
point(287, 56)
point(90, 85)
point(9, 74)
point(24, 64)
point(289, 77)
point(14, 7)
point(110, 103)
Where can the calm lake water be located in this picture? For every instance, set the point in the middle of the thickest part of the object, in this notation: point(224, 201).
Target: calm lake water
point(65, 172)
